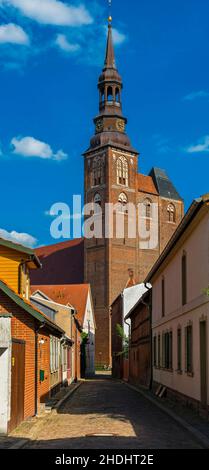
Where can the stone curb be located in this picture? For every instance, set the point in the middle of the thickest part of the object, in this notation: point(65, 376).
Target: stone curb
point(65, 398)
point(200, 438)
point(19, 445)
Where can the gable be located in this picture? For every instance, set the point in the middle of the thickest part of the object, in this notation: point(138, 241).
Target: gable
point(89, 315)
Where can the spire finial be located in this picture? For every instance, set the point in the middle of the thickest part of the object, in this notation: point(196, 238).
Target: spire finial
point(110, 12)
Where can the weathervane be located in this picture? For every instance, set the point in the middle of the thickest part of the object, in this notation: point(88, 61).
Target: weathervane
point(110, 11)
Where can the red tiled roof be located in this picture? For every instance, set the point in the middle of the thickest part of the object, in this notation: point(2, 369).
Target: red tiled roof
point(146, 184)
point(62, 263)
point(75, 295)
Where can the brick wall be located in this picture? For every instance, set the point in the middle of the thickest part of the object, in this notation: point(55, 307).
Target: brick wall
point(107, 261)
point(140, 347)
point(23, 328)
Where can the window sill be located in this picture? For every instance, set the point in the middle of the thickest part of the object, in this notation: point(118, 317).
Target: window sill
point(167, 370)
point(179, 372)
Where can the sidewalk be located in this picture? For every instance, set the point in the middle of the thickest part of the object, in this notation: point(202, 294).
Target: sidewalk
point(185, 416)
point(29, 429)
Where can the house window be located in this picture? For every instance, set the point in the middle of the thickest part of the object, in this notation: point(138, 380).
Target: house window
point(189, 352)
point(159, 351)
point(170, 366)
point(184, 278)
point(122, 171)
point(155, 351)
point(171, 213)
point(168, 351)
point(163, 297)
point(54, 353)
point(179, 347)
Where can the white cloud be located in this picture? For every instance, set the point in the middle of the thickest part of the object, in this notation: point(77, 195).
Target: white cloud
point(30, 147)
point(53, 12)
point(13, 34)
point(201, 146)
point(118, 37)
point(196, 94)
point(63, 43)
point(21, 238)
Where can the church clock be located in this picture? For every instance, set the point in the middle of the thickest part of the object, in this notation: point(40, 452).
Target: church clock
point(120, 124)
point(99, 125)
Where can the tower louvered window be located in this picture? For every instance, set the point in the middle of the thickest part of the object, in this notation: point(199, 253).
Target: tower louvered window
point(97, 172)
point(171, 213)
point(122, 171)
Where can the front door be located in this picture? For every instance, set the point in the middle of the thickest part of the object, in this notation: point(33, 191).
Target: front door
point(17, 383)
point(203, 362)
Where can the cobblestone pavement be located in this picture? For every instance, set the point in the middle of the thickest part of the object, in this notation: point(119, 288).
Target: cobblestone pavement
point(106, 414)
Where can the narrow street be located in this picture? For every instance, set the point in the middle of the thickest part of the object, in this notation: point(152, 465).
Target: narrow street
point(106, 414)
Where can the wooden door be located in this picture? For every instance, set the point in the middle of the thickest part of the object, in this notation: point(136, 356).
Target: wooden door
point(203, 363)
point(17, 384)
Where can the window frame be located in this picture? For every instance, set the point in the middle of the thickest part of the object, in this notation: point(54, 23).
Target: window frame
point(184, 278)
point(189, 349)
point(179, 349)
point(122, 171)
point(171, 210)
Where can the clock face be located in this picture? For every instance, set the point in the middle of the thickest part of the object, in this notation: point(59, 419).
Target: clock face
point(99, 125)
point(120, 124)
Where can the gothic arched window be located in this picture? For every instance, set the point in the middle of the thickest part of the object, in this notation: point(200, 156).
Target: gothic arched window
point(171, 213)
point(97, 172)
point(97, 199)
point(122, 171)
point(147, 208)
point(147, 212)
point(123, 199)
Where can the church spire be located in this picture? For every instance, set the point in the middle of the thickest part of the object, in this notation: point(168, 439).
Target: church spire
point(110, 124)
point(110, 54)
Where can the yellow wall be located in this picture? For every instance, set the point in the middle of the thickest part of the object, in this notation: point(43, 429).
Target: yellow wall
point(9, 268)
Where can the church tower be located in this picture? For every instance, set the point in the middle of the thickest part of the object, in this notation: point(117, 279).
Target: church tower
point(111, 176)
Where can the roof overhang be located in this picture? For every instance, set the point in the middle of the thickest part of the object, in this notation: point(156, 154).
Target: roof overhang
point(35, 313)
point(33, 261)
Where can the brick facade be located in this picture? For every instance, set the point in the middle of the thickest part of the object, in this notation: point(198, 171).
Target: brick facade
point(140, 355)
point(23, 328)
point(107, 262)
point(36, 340)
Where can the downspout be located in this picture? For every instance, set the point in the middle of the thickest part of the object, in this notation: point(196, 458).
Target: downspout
point(73, 312)
point(36, 365)
point(149, 306)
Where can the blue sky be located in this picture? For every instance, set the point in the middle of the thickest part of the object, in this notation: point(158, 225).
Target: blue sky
point(51, 54)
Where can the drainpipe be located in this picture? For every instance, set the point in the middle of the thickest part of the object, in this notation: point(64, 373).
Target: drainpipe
point(149, 306)
point(36, 365)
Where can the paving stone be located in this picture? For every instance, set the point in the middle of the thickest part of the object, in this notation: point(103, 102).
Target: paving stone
point(108, 408)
